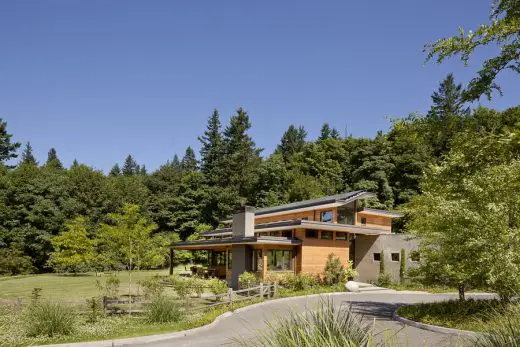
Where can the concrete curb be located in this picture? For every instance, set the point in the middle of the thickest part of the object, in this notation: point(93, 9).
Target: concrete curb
point(169, 336)
point(429, 327)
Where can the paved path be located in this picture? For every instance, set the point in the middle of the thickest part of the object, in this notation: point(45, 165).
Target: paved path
point(377, 307)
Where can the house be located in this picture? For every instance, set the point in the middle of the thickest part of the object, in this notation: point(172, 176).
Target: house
point(298, 237)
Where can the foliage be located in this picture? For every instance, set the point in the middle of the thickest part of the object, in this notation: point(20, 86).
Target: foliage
point(384, 280)
point(49, 318)
point(300, 282)
point(7, 148)
point(335, 272)
point(151, 287)
point(247, 280)
point(382, 262)
point(109, 287)
point(73, 249)
point(95, 309)
point(327, 325)
point(218, 287)
point(501, 329)
point(14, 262)
point(402, 265)
point(197, 285)
point(503, 31)
point(163, 309)
point(182, 286)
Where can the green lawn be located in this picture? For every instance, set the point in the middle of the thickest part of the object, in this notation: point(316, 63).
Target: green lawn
point(68, 287)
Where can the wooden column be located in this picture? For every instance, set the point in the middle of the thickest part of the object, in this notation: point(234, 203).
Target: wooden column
point(264, 263)
point(171, 261)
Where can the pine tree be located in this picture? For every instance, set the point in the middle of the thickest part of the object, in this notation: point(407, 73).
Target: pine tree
point(75, 163)
point(175, 162)
point(130, 166)
point(189, 162)
point(325, 132)
point(292, 141)
point(212, 148)
point(242, 159)
point(115, 171)
point(53, 160)
point(142, 171)
point(334, 134)
point(448, 100)
point(28, 156)
point(7, 148)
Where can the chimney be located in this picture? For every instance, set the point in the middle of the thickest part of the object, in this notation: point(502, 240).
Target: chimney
point(244, 222)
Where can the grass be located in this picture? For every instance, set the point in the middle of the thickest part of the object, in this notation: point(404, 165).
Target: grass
point(466, 315)
point(429, 289)
point(68, 287)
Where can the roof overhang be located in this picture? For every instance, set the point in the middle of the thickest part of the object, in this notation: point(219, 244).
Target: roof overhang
point(256, 240)
point(384, 213)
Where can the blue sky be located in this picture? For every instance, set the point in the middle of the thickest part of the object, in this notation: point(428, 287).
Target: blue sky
point(98, 80)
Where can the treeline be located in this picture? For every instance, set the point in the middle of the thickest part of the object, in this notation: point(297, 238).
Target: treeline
point(190, 194)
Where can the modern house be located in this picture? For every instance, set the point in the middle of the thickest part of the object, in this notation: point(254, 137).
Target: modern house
point(298, 237)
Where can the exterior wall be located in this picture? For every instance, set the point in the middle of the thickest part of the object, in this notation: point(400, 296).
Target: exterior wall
point(313, 215)
point(367, 245)
point(380, 222)
point(312, 255)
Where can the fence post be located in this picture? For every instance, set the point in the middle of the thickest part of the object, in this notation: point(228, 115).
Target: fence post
point(275, 289)
point(105, 304)
point(230, 297)
point(261, 290)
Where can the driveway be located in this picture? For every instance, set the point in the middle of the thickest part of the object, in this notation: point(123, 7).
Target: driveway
point(376, 307)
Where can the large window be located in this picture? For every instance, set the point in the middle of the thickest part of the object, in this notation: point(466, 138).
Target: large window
point(279, 260)
point(276, 260)
point(326, 216)
point(341, 235)
point(326, 235)
point(347, 213)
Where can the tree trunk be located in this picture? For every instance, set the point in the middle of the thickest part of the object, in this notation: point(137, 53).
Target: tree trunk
point(462, 292)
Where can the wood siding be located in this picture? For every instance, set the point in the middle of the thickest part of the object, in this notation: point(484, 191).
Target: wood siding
point(313, 215)
point(312, 255)
point(379, 222)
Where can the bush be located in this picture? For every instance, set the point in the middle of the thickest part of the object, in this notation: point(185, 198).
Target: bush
point(163, 309)
point(335, 272)
point(327, 326)
point(197, 285)
point(95, 309)
point(218, 287)
point(301, 282)
point(14, 262)
point(110, 287)
point(151, 287)
point(402, 266)
point(384, 280)
point(49, 319)
point(247, 280)
point(501, 329)
point(181, 286)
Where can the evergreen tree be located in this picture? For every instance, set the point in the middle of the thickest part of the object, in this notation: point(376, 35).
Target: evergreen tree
point(75, 163)
point(242, 157)
point(189, 162)
point(212, 148)
point(447, 100)
point(292, 141)
point(130, 166)
point(325, 132)
point(53, 160)
point(142, 171)
point(176, 162)
point(28, 156)
point(7, 148)
point(115, 171)
point(334, 134)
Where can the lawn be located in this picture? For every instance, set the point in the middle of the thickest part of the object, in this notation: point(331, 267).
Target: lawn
point(68, 287)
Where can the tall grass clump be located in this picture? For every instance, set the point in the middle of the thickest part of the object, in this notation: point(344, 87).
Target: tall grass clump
point(502, 329)
point(163, 309)
point(329, 326)
point(47, 318)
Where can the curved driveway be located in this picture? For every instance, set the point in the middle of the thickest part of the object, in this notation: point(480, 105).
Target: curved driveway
point(376, 307)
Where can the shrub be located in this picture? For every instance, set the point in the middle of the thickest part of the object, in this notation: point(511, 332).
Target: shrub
point(327, 326)
point(163, 309)
point(218, 287)
point(94, 309)
point(501, 329)
point(247, 280)
point(49, 319)
point(181, 286)
point(301, 282)
point(278, 277)
point(151, 287)
point(197, 285)
point(110, 287)
point(382, 262)
point(14, 262)
point(335, 272)
point(383, 280)
point(402, 265)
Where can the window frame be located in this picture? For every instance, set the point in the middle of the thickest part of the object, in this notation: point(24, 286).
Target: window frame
point(342, 233)
point(378, 256)
point(363, 221)
point(395, 254)
point(322, 213)
point(326, 233)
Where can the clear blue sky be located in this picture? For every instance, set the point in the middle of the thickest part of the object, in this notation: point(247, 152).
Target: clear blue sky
point(100, 79)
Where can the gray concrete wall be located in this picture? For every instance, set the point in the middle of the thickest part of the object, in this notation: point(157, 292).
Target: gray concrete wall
point(242, 256)
point(367, 245)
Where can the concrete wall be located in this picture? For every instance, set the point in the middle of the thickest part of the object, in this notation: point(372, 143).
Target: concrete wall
point(242, 261)
point(367, 245)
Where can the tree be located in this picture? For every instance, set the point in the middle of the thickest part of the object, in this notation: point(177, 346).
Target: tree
point(325, 132)
point(189, 162)
point(53, 160)
point(504, 30)
point(334, 134)
point(7, 148)
point(211, 151)
point(73, 249)
point(130, 166)
point(115, 171)
point(293, 140)
point(447, 100)
point(28, 156)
